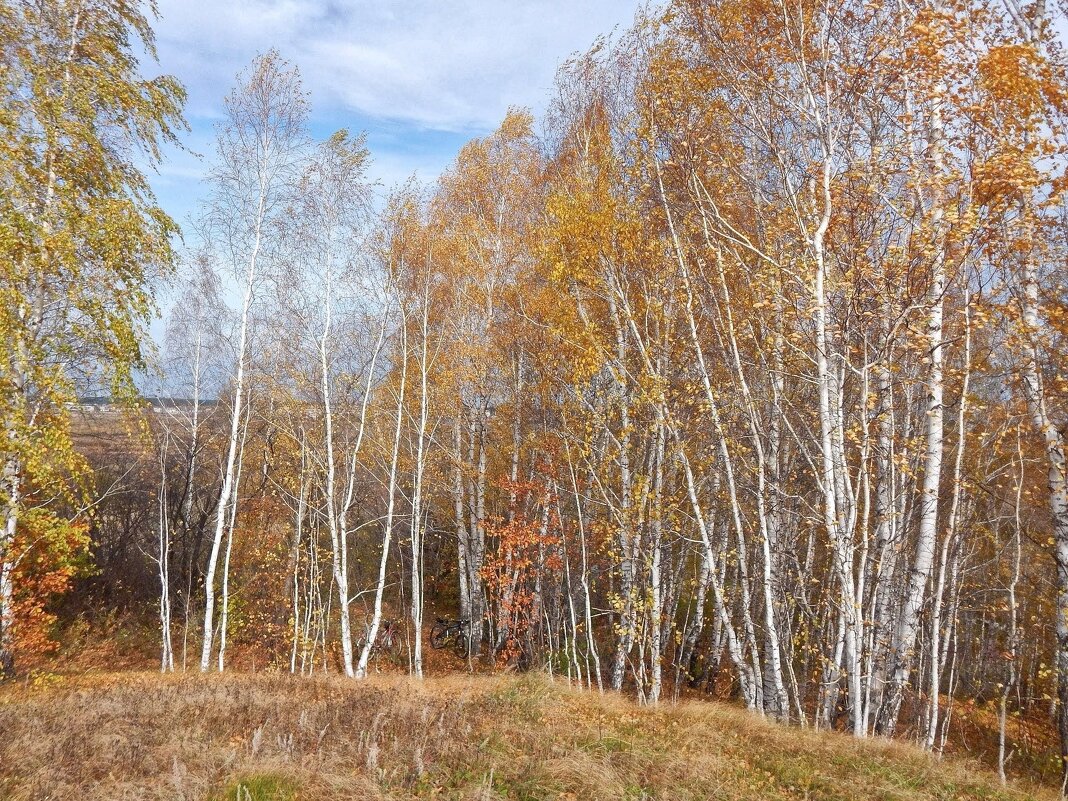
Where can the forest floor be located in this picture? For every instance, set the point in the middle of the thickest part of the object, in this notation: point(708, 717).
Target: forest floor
point(274, 737)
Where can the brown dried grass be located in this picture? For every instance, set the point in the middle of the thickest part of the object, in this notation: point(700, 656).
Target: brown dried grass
point(145, 736)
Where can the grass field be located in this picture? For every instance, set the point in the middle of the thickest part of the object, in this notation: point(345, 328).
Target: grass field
point(254, 737)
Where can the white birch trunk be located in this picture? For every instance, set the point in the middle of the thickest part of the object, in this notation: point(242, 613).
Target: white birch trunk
point(937, 647)
point(226, 492)
point(1056, 480)
point(225, 613)
point(417, 490)
point(163, 560)
point(376, 619)
point(12, 478)
point(1012, 646)
point(901, 659)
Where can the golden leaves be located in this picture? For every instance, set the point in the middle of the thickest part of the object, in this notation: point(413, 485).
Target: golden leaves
point(1010, 75)
point(1007, 176)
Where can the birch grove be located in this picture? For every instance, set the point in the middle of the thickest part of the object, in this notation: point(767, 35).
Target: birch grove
point(739, 373)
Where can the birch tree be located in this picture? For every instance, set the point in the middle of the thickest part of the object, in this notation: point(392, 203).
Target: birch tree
point(260, 146)
point(82, 237)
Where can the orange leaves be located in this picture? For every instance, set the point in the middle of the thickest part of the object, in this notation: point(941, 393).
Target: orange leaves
point(1007, 176)
point(1011, 76)
point(929, 34)
point(47, 553)
point(526, 554)
point(522, 540)
point(1021, 97)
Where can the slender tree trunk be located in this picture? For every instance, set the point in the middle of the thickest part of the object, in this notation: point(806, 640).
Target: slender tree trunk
point(225, 613)
point(656, 608)
point(923, 561)
point(626, 535)
point(417, 490)
point(1056, 479)
point(335, 517)
point(591, 644)
point(163, 561)
point(1012, 646)
point(227, 490)
point(294, 554)
point(13, 479)
point(938, 653)
point(835, 516)
point(462, 556)
point(376, 619)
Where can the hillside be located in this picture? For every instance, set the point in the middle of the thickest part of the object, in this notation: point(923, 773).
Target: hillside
point(269, 736)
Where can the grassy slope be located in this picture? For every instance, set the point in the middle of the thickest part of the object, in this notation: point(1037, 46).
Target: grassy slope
point(142, 736)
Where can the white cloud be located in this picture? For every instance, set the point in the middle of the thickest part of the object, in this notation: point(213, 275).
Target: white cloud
point(442, 64)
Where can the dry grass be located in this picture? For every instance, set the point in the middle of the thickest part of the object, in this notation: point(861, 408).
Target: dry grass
point(265, 736)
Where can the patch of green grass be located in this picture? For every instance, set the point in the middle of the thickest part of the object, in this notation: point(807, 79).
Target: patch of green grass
point(522, 698)
point(266, 787)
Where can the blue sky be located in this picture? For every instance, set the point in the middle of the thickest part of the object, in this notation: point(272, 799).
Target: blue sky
point(420, 77)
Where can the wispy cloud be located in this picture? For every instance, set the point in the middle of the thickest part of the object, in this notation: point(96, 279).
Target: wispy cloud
point(441, 64)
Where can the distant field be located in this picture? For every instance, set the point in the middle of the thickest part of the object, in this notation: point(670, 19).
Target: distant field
point(254, 737)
